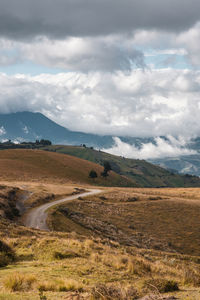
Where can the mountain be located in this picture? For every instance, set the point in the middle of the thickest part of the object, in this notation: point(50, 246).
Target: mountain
point(143, 173)
point(186, 164)
point(28, 126)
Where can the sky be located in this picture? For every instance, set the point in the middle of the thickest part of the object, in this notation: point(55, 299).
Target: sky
point(119, 67)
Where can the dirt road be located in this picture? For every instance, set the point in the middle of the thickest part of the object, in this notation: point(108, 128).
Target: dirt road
point(37, 217)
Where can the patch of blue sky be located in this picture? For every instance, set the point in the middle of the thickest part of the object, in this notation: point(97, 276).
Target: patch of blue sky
point(29, 68)
point(165, 60)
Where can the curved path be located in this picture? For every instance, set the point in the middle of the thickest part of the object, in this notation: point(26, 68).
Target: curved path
point(37, 217)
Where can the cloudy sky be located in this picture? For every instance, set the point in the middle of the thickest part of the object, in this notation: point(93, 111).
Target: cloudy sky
point(120, 67)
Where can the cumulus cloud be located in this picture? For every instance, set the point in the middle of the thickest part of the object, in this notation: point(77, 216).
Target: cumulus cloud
point(160, 148)
point(190, 40)
point(61, 18)
point(138, 103)
point(84, 54)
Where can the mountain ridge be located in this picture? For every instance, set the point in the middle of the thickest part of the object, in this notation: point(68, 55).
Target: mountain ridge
point(30, 126)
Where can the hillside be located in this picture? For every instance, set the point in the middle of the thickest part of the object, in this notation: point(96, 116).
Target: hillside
point(163, 219)
point(34, 165)
point(102, 258)
point(143, 173)
point(189, 164)
point(29, 126)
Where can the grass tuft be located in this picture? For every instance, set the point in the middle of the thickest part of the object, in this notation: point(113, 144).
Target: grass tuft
point(18, 282)
point(101, 291)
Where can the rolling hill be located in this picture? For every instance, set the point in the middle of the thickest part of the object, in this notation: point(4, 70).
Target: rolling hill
point(144, 174)
point(36, 165)
point(28, 127)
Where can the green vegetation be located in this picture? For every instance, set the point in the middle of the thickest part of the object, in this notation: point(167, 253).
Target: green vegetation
point(25, 145)
point(141, 172)
point(7, 255)
point(93, 174)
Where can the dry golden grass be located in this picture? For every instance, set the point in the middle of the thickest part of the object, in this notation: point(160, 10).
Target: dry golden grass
point(84, 266)
point(151, 218)
point(63, 265)
point(50, 167)
point(17, 282)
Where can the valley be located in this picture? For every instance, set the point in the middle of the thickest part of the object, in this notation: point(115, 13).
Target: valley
point(124, 243)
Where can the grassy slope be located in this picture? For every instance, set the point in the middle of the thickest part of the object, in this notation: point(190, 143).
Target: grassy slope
point(36, 165)
point(142, 172)
point(61, 263)
point(150, 218)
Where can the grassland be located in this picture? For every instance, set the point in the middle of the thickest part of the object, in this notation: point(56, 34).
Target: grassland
point(43, 166)
point(122, 244)
point(165, 219)
point(59, 265)
point(141, 172)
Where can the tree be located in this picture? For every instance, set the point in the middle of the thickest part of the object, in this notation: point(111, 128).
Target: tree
point(93, 174)
point(107, 168)
point(45, 142)
point(104, 174)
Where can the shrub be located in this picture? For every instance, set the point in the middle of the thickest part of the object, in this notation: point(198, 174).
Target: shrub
point(7, 255)
point(101, 291)
point(67, 254)
point(93, 174)
point(160, 285)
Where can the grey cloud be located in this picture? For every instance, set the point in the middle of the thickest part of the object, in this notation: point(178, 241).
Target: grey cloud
point(88, 54)
point(137, 103)
point(61, 18)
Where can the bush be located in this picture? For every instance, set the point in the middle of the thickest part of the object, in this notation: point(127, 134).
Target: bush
point(101, 291)
point(160, 285)
point(67, 254)
point(93, 174)
point(7, 255)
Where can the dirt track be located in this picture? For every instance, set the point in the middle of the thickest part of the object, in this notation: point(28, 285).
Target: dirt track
point(37, 217)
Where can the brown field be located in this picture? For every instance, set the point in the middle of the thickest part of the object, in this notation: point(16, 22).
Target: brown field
point(166, 219)
point(49, 167)
point(122, 244)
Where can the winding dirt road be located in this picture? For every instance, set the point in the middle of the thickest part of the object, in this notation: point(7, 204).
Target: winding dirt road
point(37, 217)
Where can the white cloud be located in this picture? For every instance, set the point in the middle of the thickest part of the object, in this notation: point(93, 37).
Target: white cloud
point(159, 149)
point(138, 103)
point(2, 130)
point(190, 40)
point(25, 129)
point(87, 54)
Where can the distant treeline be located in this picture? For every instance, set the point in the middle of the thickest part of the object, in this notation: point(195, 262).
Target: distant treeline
point(25, 145)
